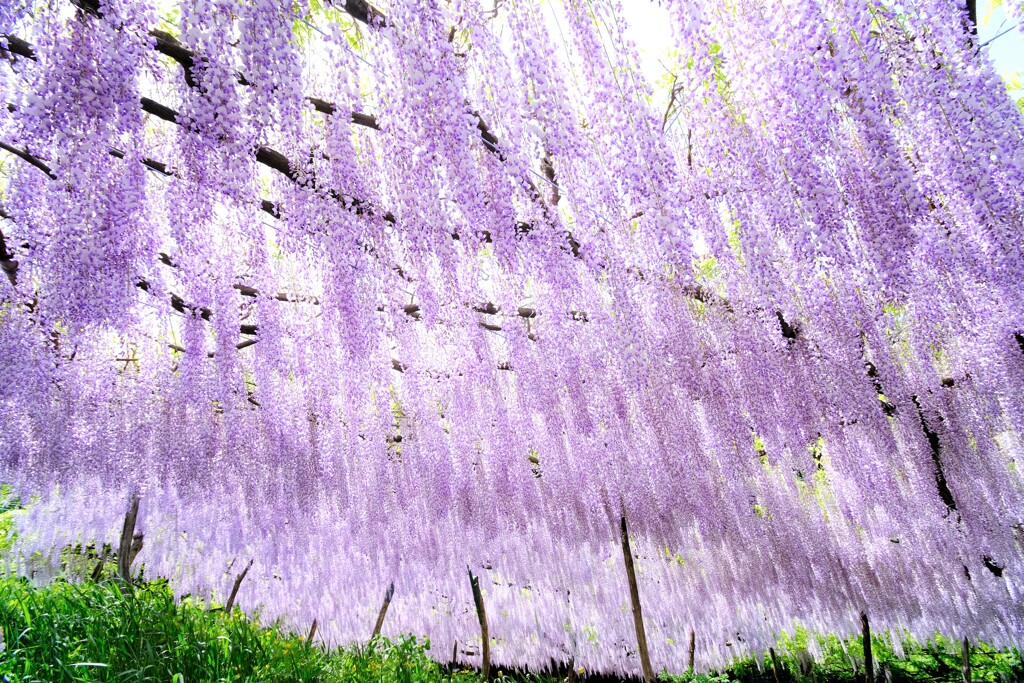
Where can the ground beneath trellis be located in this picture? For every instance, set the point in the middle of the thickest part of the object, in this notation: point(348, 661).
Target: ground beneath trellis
point(95, 631)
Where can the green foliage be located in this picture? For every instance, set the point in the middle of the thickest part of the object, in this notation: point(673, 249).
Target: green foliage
point(842, 661)
point(169, 21)
point(8, 501)
point(93, 632)
point(10, 505)
point(304, 22)
point(404, 661)
point(1015, 86)
point(96, 632)
point(694, 677)
point(941, 660)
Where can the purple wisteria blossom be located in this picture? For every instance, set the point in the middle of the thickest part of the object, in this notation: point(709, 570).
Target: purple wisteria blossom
point(372, 297)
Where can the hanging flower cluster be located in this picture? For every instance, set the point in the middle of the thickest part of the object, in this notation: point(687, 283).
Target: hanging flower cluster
point(370, 298)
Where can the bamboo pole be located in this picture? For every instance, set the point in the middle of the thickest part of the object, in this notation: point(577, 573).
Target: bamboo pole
point(966, 661)
point(869, 664)
point(124, 551)
point(481, 614)
point(390, 593)
point(234, 589)
point(634, 596)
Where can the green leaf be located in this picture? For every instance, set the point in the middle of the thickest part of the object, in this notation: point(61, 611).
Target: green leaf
point(990, 9)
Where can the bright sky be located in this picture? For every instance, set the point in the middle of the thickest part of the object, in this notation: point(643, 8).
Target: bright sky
point(1006, 48)
point(1005, 44)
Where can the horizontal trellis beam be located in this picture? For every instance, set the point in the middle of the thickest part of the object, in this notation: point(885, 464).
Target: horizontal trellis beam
point(171, 47)
point(168, 45)
point(180, 305)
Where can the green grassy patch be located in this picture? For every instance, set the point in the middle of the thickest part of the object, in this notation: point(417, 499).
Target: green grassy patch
point(96, 632)
point(89, 631)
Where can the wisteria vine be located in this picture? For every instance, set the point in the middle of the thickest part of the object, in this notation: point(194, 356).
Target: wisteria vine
point(369, 296)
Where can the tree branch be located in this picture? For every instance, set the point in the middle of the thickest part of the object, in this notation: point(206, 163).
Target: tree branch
point(234, 589)
point(7, 262)
point(16, 47)
point(25, 156)
point(363, 11)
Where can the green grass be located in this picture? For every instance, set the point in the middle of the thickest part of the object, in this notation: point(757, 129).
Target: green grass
point(95, 632)
point(937, 661)
point(87, 631)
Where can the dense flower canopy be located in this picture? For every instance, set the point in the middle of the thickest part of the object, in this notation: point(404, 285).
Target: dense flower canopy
point(375, 294)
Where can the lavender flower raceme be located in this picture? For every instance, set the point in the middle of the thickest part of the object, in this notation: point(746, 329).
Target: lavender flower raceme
point(369, 298)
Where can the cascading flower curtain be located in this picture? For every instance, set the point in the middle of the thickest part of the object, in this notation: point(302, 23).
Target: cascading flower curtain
point(376, 294)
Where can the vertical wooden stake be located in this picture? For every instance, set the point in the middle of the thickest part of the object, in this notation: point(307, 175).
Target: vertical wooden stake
point(312, 632)
point(234, 589)
point(634, 596)
point(124, 550)
point(693, 648)
point(869, 664)
point(97, 573)
point(965, 664)
point(775, 664)
point(390, 593)
point(481, 614)
point(572, 677)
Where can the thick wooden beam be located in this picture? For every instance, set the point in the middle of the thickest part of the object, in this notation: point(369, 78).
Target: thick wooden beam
point(267, 156)
point(271, 158)
point(277, 161)
point(485, 650)
point(390, 593)
point(634, 597)
point(363, 11)
point(16, 47)
point(169, 46)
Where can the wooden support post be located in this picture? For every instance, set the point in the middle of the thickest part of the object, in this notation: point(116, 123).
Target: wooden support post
point(775, 665)
point(869, 664)
point(234, 589)
point(390, 593)
point(97, 573)
point(693, 648)
point(634, 596)
point(312, 632)
point(965, 664)
point(481, 614)
point(125, 549)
